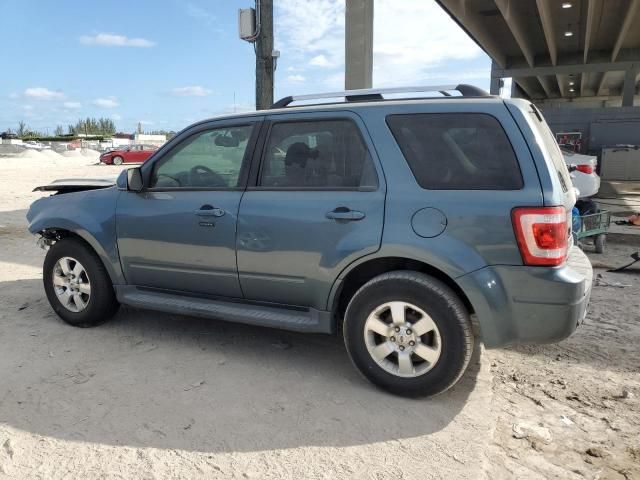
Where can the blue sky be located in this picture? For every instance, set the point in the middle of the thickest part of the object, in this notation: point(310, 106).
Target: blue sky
point(169, 63)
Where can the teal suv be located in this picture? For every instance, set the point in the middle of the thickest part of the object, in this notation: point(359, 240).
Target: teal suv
point(398, 223)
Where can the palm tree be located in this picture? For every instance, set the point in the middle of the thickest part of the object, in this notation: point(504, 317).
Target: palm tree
point(22, 129)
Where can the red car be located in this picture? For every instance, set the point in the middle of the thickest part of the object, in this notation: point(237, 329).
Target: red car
point(128, 154)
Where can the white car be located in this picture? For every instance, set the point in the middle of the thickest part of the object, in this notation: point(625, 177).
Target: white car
point(36, 145)
point(583, 176)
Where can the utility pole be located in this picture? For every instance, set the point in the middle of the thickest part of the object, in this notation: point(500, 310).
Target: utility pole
point(264, 55)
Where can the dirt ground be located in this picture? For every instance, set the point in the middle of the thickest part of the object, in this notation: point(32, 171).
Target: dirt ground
point(152, 396)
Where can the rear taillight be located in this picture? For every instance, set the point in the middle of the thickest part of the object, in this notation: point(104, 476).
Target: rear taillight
point(542, 234)
point(588, 169)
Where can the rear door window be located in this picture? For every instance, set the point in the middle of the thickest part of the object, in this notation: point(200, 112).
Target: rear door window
point(457, 151)
point(317, 154)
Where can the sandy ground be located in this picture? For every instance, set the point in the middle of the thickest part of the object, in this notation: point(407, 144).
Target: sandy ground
point(163, 396)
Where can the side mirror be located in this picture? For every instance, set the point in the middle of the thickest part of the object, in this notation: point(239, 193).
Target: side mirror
point(134, 180)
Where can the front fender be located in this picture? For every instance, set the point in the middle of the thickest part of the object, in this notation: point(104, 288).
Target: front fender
point(88, 214)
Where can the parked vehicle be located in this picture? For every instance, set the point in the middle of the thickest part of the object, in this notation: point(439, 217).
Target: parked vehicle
point(74, 144)
point(59, 147)
point(128, 154)
point(391, 221)
point(8, 136)
point(35, 145)
point(583, 176)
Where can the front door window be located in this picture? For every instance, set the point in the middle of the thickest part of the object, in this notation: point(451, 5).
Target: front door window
point(209, 159)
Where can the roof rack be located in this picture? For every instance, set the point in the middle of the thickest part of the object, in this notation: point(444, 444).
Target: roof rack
point(372, 94)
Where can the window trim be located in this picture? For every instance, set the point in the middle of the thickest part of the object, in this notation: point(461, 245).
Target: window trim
point(256, 173)
point(244, 167)
point(486, 114)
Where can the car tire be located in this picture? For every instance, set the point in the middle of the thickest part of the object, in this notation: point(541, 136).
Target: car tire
point(599, 242)
point(77, 284)
point(118, 160)
point(444, 343)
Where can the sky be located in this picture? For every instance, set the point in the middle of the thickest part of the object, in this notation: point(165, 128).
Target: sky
point(169, 63)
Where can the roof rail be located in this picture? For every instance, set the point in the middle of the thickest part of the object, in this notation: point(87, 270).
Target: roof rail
point(370, 94)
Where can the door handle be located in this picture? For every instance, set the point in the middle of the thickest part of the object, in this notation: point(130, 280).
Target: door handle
point(345, 214)
point(209, 211)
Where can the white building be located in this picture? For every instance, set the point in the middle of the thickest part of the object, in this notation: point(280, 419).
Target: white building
point(146, 139)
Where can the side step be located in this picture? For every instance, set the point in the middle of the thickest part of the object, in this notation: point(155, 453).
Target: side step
point(311, 320)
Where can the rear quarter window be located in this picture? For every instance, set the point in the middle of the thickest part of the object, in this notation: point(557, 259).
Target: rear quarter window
point(551, 146)
point(457, 151)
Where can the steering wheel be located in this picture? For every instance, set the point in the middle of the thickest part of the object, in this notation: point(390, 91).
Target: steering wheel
point(159, 175)
point(211, 178)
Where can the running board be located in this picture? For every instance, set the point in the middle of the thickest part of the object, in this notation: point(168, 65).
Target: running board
point(311, 320)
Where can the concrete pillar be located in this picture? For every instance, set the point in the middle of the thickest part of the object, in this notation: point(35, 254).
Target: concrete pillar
point(358, 44)
point(629, 87)
point(495, 84)
point(515, 90)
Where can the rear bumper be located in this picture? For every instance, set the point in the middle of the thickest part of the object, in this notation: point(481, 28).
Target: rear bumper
point(520, 304)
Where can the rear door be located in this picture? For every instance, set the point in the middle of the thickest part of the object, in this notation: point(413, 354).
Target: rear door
point(315, 204)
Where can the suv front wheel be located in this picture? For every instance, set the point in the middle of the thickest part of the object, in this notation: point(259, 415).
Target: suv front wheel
point(77, 284)
point(408, 333)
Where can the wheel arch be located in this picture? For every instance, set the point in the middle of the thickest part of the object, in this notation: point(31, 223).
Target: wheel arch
point(357, 275)
point(54, 234)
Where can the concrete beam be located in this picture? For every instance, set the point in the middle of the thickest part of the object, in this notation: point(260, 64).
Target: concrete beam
point(629, 87)
point(471, 22)
point(516, 91)
point(584, 80)
point(526, 85)
point(514, 22)
point(566, 69)
point(547, 27)
point(577, 57)
point(591, 17)
point(560, 86)
point(626, 25)
point(544, 83)
point(599, 88)
point(358, 44)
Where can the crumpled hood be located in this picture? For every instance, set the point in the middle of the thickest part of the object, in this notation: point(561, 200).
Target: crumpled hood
point(67, 185)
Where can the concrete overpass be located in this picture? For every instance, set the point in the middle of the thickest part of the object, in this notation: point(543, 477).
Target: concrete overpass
point(579, 51)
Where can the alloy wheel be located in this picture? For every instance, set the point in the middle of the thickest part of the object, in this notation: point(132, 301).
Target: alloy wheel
point(71, 284)
point(402, 339)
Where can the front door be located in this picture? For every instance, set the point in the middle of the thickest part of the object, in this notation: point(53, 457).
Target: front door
point(317, 204)
point(179, 232)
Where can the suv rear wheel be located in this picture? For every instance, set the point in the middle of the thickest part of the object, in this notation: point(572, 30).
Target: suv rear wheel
point(408, 333)
point(77, 284)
